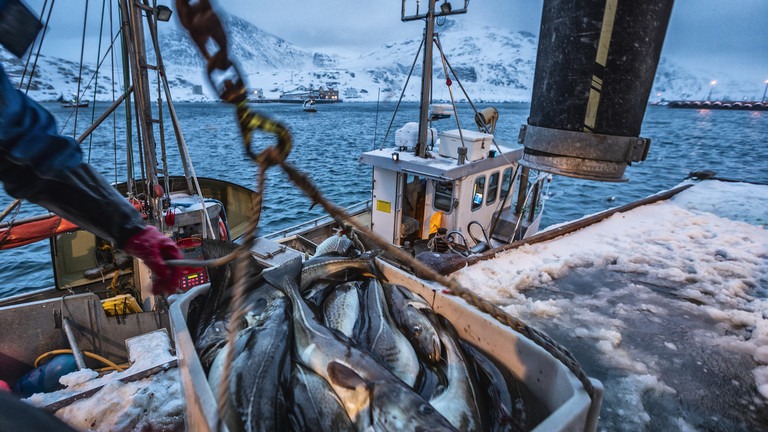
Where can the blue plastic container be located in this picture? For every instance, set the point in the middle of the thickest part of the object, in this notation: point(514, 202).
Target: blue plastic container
point(45, 378)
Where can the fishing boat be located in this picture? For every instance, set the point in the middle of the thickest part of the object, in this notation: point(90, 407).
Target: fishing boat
point(75, 102)
point(431, 193)
point(309, 105)
point(101, 298)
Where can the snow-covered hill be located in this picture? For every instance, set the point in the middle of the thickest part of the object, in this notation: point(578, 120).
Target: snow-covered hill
point(492, 64)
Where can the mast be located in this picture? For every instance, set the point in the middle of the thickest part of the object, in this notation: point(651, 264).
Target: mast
point(426, 72)
point(426, 81)
point(138, 62)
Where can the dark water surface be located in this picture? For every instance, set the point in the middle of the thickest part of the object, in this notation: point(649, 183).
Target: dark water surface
point(327, 145)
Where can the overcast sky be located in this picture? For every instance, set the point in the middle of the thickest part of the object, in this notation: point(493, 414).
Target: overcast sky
point(730, 34)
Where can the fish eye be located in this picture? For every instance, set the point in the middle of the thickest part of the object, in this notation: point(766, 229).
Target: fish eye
point(417, 330)
point(426, 409)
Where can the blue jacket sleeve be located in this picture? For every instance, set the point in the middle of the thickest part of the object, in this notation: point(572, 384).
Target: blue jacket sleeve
point(39, 165)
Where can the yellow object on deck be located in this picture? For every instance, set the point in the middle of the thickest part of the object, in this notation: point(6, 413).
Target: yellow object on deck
point(435, 222)
point(121, 305)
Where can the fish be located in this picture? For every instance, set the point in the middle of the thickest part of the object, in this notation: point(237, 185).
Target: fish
point(341, 309)
point(406, 308)
point(431, 379)
point(336, 268)
point(212, 339)
point(315, 406)
point(502, 413)
point(379, 335)
point(208, 316)
point(316, 294)
point(457, 401)
point(337, 244)
point(261, 365)
point(371, 395)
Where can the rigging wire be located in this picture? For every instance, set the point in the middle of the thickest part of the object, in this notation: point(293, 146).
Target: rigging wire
point(448, 83)
point(474, 108)
point(402, 94)
point(80, 71)
point(376, 122)
point(96, 81)
point(40, 43)
point(112, 69)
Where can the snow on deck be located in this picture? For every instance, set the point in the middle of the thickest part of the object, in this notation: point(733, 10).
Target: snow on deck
point(154, 403)
point(666, 304)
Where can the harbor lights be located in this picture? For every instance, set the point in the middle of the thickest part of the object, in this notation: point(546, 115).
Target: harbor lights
point(764, 91)
point(711, 86)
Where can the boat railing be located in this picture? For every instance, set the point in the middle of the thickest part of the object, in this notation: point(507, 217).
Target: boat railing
point(353, 210)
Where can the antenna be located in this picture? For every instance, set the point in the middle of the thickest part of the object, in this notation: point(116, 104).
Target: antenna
point(428, 16)
point(445, 9)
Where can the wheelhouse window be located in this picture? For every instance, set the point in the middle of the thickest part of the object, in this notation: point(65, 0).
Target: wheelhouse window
point(443, 196)
point(493, 188)
point(477, 193)
point(506, 183)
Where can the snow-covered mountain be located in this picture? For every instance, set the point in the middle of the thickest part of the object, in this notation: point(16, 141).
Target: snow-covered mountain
point(492, 64)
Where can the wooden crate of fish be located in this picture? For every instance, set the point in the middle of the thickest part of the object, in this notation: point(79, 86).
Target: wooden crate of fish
point(339, 343)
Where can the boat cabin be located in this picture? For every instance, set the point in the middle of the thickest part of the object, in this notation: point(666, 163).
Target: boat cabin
point(468, 189)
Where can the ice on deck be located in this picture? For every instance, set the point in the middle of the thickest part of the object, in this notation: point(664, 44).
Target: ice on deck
point(153, 403)
point(667, 304)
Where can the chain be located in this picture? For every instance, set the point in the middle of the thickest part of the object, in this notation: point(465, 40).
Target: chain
point(204, 27)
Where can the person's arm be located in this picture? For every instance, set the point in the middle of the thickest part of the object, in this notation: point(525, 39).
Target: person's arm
point(43, 167)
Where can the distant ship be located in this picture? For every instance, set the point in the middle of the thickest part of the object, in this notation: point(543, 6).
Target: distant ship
point(75, 102)
point(721, 105)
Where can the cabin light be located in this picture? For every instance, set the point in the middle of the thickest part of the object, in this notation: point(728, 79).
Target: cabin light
point(395, 156)
point(445, 8)
point(163, 13)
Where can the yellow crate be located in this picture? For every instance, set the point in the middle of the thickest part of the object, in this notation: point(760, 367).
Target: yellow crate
point(121, 305)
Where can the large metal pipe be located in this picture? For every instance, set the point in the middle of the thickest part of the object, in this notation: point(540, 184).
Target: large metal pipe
point(594, 71)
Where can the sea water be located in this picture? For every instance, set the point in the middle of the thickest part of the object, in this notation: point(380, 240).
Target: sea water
point(327, 145)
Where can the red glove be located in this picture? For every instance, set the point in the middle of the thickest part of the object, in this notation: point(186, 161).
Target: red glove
point(152, 247)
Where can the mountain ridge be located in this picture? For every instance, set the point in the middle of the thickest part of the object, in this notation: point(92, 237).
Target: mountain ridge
point(494, 65)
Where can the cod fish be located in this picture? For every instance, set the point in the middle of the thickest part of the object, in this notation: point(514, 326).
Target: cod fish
point(209, 313)
point(502, 415)
point(337, 244)
point(371, 395)
point(379, 335)
point(336, 268)
point(406, 308)
point(261, 366)
point(458, 401)
point(341, 308)
point(315, 406)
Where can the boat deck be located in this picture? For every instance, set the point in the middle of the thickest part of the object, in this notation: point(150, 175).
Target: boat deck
point(666, 304)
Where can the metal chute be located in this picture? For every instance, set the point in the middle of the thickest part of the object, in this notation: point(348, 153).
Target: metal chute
point(594, 71)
